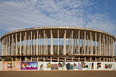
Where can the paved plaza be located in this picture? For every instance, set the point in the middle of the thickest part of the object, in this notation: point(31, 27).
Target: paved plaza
point(58, 74)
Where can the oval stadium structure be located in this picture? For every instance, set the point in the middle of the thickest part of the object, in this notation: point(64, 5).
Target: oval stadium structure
point(58, 44)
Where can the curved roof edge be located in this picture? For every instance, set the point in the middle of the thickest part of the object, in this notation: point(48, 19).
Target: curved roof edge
point(34, 28)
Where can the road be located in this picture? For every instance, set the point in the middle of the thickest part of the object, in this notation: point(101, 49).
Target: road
point(57, 73)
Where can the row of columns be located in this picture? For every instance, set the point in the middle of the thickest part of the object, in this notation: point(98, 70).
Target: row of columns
point(63, 59)
point(104, 44)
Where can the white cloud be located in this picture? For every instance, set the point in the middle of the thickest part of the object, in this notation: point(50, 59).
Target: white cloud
point(39, 13)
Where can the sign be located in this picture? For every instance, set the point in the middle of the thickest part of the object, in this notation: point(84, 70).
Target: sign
point(29, 65)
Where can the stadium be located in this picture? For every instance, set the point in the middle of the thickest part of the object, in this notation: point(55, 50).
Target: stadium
point(58, 44)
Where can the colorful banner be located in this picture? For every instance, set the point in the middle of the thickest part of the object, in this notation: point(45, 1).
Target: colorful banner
point(79, 66)
point(62, 66)
point(16, 66)
point(87, 66)
point(92, 65)
point(11, 66)
point(48, 65)
point(29, 65)
point(108, 66)
point(98, 65)
point(54, 67)
point(71, 66)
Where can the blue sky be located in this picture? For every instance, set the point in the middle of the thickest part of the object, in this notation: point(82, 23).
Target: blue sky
point(94, 14)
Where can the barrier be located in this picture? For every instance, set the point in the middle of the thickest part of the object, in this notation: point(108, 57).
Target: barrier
point(11, 66)
point(19, 66)
point(29, 65)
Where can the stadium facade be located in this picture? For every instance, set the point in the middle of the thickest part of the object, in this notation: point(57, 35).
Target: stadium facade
point(58, 44)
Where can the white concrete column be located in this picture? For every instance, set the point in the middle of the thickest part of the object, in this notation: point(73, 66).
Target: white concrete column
point(79, 42)
point(51, 51)
point(43, 59)
point(72, 59)
point(47, 45)
point(41, 47)
point(85, 59)
point(28, 43)
point(105, 48)
point(12, 45)
point(84, 42)
point(31, 59)
point(6, 46)
point(109, 46)
point(69, 44)
point(64, 43)
point(87, 45)
point(2, 47)
point(16, 46)
point(64, 59)
point(31, 42)
point(37, 43)
point(24, 44)
point(50, 59)
point(58, 42)
point(91, 59)
point(95, 43)
point(20, 43)
point(76, 45)
point(37, 59)
point(58, 59)
point(99, 44)
point(34, 45)
point(104, 44)
point(72, 43)
point(9, 46)
point(102, 41)
point(96, 59)
point(91, 44)
point(44, 41)
point(78, 58)
point(113, 47)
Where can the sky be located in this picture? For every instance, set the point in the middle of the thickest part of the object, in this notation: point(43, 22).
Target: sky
point(94, 14)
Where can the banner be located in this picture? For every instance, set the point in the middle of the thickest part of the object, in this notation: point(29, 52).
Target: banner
point(17, 66)
point(108, 66)
point(11, 66)
point(44, 66)
point(87, 66)
point(29, 65)
point(62, 66)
